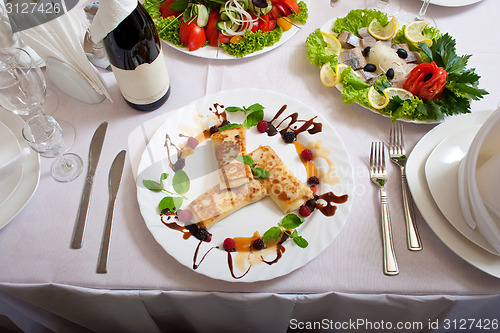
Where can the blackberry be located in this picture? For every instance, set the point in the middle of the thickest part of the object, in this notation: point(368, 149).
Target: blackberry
point(203, 235)
point(179, 164)
point(313, 181)
point(311, 204)
point(214, 129)
point(258, 244)
point(288, 136)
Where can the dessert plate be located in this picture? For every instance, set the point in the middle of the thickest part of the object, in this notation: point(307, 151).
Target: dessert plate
point(441, 171)
point(30, 172)
point(415, 172)
point(319, 230)
point(8, 150)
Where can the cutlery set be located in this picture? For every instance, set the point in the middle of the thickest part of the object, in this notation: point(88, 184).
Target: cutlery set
point(378, 175)
point(115, 175)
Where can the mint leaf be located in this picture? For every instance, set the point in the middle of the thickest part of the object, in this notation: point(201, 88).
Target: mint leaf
point(260, 173)
point(246, 159)
point(300, 241)
point(181, 182)
point(291, 221)
point(253, 118)
point(170, 203)
point(229, 126)
point(272, 233)
point(255, 107)
point(234, 109)
point(152, 185)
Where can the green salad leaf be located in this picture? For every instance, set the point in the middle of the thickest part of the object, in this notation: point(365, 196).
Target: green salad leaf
point(359, 18)
point(316, 52)
point(252, 42)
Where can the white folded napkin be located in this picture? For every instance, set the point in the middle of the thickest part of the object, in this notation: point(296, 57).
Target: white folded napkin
point(61, 38)
point(109, 15)
point(15, 162)
point(488, 169)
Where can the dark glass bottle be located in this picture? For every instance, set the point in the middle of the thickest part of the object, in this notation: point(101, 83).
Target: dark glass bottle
point(134, 51)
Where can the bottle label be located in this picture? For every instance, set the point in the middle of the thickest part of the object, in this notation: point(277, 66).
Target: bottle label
point(146, 84)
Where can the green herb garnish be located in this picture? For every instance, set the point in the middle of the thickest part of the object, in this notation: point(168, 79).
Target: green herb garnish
point(181, 185)
point(253, 114)
point(289, 222)
point(257, 172)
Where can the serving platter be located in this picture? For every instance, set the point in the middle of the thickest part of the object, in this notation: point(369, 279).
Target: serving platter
point(319, 230)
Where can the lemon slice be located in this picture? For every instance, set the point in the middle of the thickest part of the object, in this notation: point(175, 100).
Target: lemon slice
point(403, 93)
point(328, 76)
point(377, 101)
point(332, 44)
point(383, 33)
point(413, 32)
point(339, 68)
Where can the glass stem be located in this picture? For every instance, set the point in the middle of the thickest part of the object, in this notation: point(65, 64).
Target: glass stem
point(423, 10)
point(63, 161)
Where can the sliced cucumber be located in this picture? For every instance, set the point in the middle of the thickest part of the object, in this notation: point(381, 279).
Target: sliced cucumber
point(226, 25)
point(202, 13)
point(225, 15)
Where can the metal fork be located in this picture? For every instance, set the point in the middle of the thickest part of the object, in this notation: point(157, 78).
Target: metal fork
point(397, 153)
point(378, 175)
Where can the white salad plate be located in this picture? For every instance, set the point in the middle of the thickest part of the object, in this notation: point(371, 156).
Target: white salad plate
point(430, 211)
point(441, 171)
point(30, 172)
point(320, 231)
point(453, 3)
point(212, 52)
point(9, 149)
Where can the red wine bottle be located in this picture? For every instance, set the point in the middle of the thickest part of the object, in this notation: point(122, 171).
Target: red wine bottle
point(134, 51)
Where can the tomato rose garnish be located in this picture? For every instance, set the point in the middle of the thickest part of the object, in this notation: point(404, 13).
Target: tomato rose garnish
point(426, 81)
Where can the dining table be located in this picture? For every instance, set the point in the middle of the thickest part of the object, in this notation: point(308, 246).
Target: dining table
point(46, 285)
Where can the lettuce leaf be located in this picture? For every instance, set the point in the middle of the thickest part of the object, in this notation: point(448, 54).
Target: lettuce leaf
point(252, 42)
point(354, 89)
point(316, 52)
point(359, 18)
point(303, 15)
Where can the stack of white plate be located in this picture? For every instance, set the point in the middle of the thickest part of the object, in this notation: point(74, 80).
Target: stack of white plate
point(19, 168)
point(451, 162)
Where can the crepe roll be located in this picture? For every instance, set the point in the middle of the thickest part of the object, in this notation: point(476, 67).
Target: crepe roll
point(216, 204)
point(228, 144)
point(284, 188)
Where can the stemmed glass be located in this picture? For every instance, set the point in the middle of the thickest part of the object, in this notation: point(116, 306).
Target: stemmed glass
point(420, 16)
point(44, 135)
point(390, 7)
point(22, 92)
point(23, 89)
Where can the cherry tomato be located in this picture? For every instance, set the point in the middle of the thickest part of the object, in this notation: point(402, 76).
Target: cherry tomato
point(285, 23)
point(165, 10)
point(266, 24)
point(426, 81)
point(191, 35)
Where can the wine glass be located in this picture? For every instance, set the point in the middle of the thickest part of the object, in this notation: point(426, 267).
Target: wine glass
point(44, 135)
point(390, 7)
point(420, 16)
point(23, 88)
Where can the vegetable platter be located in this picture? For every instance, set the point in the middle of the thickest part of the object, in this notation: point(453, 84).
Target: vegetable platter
point(226, 29)
point(410, 73)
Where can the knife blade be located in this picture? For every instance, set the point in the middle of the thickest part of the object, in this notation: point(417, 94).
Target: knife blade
point(94, 154)
point(115, 176)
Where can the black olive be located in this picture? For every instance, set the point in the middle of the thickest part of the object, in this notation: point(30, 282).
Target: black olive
point(366, 51)
point(402, 53)
point(390, 74)
point(370, 68)
point(428, 77)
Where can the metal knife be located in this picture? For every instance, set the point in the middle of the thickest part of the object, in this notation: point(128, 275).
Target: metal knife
point(94, 154)
point(115, 176)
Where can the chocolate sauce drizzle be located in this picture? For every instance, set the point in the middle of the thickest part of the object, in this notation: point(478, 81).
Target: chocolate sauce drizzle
point(292, 122)
point(196, 265)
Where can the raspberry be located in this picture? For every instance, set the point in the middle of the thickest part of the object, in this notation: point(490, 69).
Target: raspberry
point(192, 142)
point(307, 154)
point(262, 126)
point(229, 245)
point(313, 181)
point(258, 244)
point(184, 215)
point(304, 211)
point(288, 136)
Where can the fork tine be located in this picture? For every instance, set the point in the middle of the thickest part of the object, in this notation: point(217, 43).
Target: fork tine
point(371, 155)
point(401, 142)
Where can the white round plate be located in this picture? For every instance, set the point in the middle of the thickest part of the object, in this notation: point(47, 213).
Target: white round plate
point(30, 174)
point(441, 171)
point(9, 149)
point(212, 52)
point(453, 3)
point(318, 230)
point(415, 172)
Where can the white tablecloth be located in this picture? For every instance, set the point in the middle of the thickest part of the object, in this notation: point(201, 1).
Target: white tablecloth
point(46, 285)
